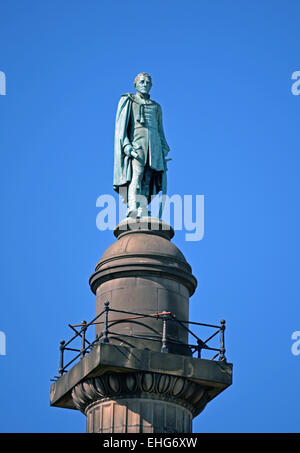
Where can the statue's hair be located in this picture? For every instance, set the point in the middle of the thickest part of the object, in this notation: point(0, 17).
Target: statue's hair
point(145, 74)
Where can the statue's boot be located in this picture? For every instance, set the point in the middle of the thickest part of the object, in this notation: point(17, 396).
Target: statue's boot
point(132, 212)
point(142, 211)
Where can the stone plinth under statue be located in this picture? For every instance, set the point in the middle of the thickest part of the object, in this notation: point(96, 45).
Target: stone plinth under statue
point(128, 384)
point(144, 271)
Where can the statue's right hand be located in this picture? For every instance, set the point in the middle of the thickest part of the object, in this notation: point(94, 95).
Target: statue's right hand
point(134, 154)
point(130, 152)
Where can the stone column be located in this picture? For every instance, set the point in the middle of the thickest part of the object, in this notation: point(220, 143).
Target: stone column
point(142, 377)
point(137, 415)
point(139, 403)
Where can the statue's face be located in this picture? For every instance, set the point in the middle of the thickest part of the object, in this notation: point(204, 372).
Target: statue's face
point(143, 85)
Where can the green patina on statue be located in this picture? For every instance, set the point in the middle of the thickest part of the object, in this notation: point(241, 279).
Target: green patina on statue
point(140, 149)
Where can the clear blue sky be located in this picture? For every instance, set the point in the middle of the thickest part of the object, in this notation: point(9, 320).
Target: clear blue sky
point(222, 73)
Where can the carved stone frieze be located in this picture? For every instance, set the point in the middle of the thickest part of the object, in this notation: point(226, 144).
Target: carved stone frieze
point(147, 385)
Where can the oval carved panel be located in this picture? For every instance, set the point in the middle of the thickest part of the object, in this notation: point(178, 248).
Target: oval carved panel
point(141, 385)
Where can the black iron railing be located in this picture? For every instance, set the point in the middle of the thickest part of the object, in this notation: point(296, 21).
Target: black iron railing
point(161, 336)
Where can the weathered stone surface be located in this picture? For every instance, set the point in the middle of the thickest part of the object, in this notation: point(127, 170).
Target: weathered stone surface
point(214, 376)
point(140, 248)
point(146, 224)
point(137, 415)
point(117, 386)
point(139, 402)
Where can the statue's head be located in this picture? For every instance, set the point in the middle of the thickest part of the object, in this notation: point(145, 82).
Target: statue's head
point(143, 83)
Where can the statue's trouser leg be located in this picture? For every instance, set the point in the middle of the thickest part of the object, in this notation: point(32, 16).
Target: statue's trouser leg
point(148, 172)
point(134, 188)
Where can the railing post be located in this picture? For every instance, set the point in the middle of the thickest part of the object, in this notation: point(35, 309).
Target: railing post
point(105, 332)
point(164, 335)
point(222, 341)
point(199, 348)
point(61, 359)
point(83, 330)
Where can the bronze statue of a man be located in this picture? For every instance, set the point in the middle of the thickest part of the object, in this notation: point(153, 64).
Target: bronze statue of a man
point(140, 148)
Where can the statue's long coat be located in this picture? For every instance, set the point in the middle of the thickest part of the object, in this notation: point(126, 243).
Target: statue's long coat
point(122, 162)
